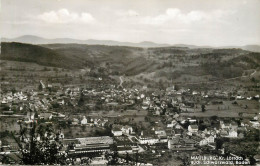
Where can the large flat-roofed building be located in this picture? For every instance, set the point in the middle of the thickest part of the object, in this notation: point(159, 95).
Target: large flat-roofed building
point(92, 144)
point(95, 140)
point(92, 148)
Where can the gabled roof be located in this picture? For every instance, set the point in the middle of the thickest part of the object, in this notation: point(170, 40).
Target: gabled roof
point(194, 127)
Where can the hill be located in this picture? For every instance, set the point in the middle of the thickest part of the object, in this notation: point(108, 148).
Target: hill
point(37, 54)
point(169, 63)
point(30, 39)
point(75, 56)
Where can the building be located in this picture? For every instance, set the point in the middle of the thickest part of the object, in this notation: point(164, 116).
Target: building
point(91, 144)
point(207, 140)
point(232, 133)
point(116, 131)
point(193, 128)
point(224, 125)
point(179, 144)
point(148, 138)
point(46, 115)
point(84, 121)
point(127, 130)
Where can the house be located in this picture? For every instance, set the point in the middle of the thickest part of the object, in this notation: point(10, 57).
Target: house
point(178, 126)
point(127, 130)
point(172, 124)
point(232, 133)
point(210, 139)
point(207, 140)
point(116, 131)
point(254, 123)
point(224, 133)
point(203, 142)
point(46, 115)
point(159, 131)
point(157, 112)
point(84, 121)
point(224, 125)
point(193, 128)
point(179, 143)
point(178, 132)
point(163, 138)
point(75, 121)
point(148, 138)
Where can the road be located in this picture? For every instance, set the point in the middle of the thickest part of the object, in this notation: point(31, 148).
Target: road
point(121, 81)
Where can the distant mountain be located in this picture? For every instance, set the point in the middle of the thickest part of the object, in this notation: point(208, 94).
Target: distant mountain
point(253, 48)
point(26, 39)
point(30, 39)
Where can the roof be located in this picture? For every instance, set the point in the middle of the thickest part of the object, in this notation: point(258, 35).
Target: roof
point(96, 140)
point(194, 126)
point(116, 129)
point(69, 141)
point(124, 148)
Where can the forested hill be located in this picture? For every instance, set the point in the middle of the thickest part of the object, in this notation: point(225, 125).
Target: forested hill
point(37, 54)
point(164, 62)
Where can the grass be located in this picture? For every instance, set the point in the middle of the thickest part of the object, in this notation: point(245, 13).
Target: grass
point(227, 109)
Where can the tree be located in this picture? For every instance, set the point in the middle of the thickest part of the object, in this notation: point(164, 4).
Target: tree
point(219, 143)
point(39, 145)
point(203, 108)
point(253, 79)
point(112, 157)
point(81, 99)
point(136, 158)
point(127, 158)
point(40, 87)
point(13, 90)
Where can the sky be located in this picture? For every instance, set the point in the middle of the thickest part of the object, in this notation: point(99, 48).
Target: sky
point(198, 22)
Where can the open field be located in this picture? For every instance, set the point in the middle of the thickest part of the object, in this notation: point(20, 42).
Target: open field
point(227, 109)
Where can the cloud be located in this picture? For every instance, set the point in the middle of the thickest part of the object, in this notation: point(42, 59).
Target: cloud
point(127, 13)
point(176, 15)
point(64, 16)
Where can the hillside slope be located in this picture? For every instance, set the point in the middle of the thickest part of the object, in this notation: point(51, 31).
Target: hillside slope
point(171, 63)
point(37, 54)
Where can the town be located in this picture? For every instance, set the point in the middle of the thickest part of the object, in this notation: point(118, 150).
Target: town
point(140, 125)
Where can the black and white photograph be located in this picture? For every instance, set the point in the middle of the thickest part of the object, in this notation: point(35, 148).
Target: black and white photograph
point(130, 82)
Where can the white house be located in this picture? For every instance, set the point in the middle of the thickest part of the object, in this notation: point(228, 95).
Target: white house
point(84, 121)
point(160, 132)
point(75, 121)
point(210, 139)
point(255, 123)
point(207, 140)
point(127, 130)
point(224, 125)
point(117, 131)
point(203, 142)
point(147, 139)
point(232, 133)
point(193, 128)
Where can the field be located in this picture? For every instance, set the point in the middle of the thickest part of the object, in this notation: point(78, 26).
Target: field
point(227, 109)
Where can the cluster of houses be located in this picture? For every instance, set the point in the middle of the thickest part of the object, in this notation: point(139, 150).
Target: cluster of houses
point(176, 132)
point(89, 121)
point(36, 101)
